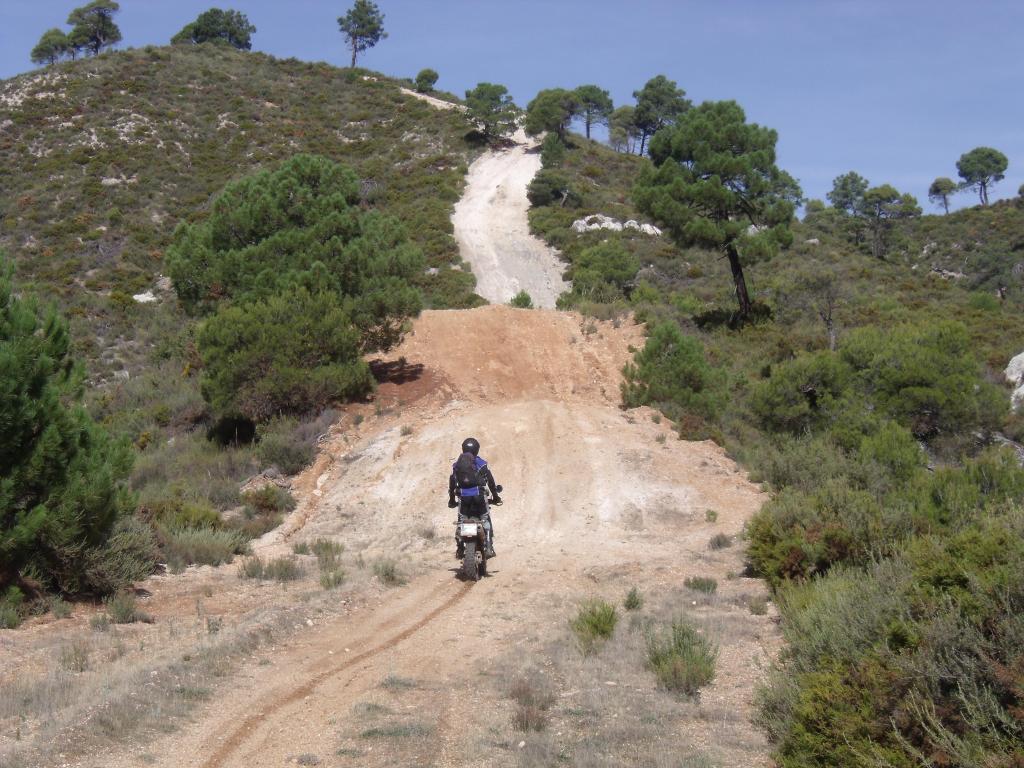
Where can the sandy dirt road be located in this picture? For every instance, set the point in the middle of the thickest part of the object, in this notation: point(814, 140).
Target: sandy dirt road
point(594, 500)
point(493, 233)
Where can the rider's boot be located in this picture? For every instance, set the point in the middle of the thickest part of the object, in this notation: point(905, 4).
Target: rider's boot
point(490, 549)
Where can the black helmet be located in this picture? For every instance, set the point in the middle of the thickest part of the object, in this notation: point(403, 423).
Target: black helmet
point(471, 445)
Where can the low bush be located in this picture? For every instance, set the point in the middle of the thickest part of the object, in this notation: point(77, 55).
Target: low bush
point(634, 600)
point(123, 608)
point(682, 659)
point(203, 546)
point(671, 373)
point(290, 444)
point(703, 584)
point(533, 700)
point(552, 188)
point(277, 569)
point(332, 578)
point(388, 574)
point(594, 623)
point(720, 541)
point(521, 300)
point(268, 500)
point(60, 608)
point(11, 606)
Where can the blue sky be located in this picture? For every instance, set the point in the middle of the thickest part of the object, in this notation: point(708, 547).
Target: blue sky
point(894, 89)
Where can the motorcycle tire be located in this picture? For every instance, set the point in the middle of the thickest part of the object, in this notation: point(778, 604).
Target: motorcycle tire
point(469, 567)
point(483, 564)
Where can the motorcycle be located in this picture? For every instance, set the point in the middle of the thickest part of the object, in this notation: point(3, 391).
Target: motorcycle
point(472, 537)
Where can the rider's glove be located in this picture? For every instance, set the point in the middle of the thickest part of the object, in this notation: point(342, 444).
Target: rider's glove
point(496, 500)
point(452, 503)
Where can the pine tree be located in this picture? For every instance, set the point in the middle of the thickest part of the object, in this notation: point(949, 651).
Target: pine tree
point(61, 475)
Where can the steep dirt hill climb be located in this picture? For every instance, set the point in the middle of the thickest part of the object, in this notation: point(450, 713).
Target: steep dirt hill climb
point(494, 235)
point(596, 499)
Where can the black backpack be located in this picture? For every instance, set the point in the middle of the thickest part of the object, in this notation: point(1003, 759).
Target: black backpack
point(466, 473)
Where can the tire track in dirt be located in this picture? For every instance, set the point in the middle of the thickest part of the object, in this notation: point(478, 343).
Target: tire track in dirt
point(248, 727)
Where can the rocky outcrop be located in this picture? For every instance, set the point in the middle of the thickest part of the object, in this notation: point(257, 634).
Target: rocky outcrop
point(1015, 375)
point(600, 221)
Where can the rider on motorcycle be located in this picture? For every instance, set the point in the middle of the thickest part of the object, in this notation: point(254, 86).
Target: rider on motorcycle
point(473, 501)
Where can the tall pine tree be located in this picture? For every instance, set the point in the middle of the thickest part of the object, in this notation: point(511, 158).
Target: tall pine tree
point(61, 475)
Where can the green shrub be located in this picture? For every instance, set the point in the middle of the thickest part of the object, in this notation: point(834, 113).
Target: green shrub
point(634, 600)
point(552, 187)
point(710, 515)
point(521, 300)
point(203, 546)
point(602, 273)
point(277, 569)
point(797, 534)
point(388, 574)
point(594, 623)
point(177, 513)
point(552, 151)
point(268, 500)
point(425, 80)
point(672, 374)
point(129, 555)
point(11, 606)
point(60, 608)
point(683, 660)
point(803, 394)
point(293, 353)
point(720, 541)
point(983, 302)
point(926, 377)
point(325, 549)
point(290, 444)
point(703, 584)
point(332, 578)
point(122, 608)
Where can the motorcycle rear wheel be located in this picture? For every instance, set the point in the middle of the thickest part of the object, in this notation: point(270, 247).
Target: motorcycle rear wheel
point(469, 566)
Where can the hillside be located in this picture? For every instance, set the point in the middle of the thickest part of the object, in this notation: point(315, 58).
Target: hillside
point(104, 157)
point(868, 393)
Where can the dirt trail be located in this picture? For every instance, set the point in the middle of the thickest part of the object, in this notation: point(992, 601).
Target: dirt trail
point(494, 235)
point(594, 495)
point(596, 500)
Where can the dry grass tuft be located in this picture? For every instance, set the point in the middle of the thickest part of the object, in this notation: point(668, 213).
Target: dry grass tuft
point(533, 700)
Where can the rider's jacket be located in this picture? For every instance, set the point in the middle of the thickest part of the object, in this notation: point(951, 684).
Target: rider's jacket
point(485, 476)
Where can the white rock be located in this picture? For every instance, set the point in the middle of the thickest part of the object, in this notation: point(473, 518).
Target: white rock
point(600, 221)
point(145, 298)
point(1015, 375)
point(813, 241)
point(163, 283)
